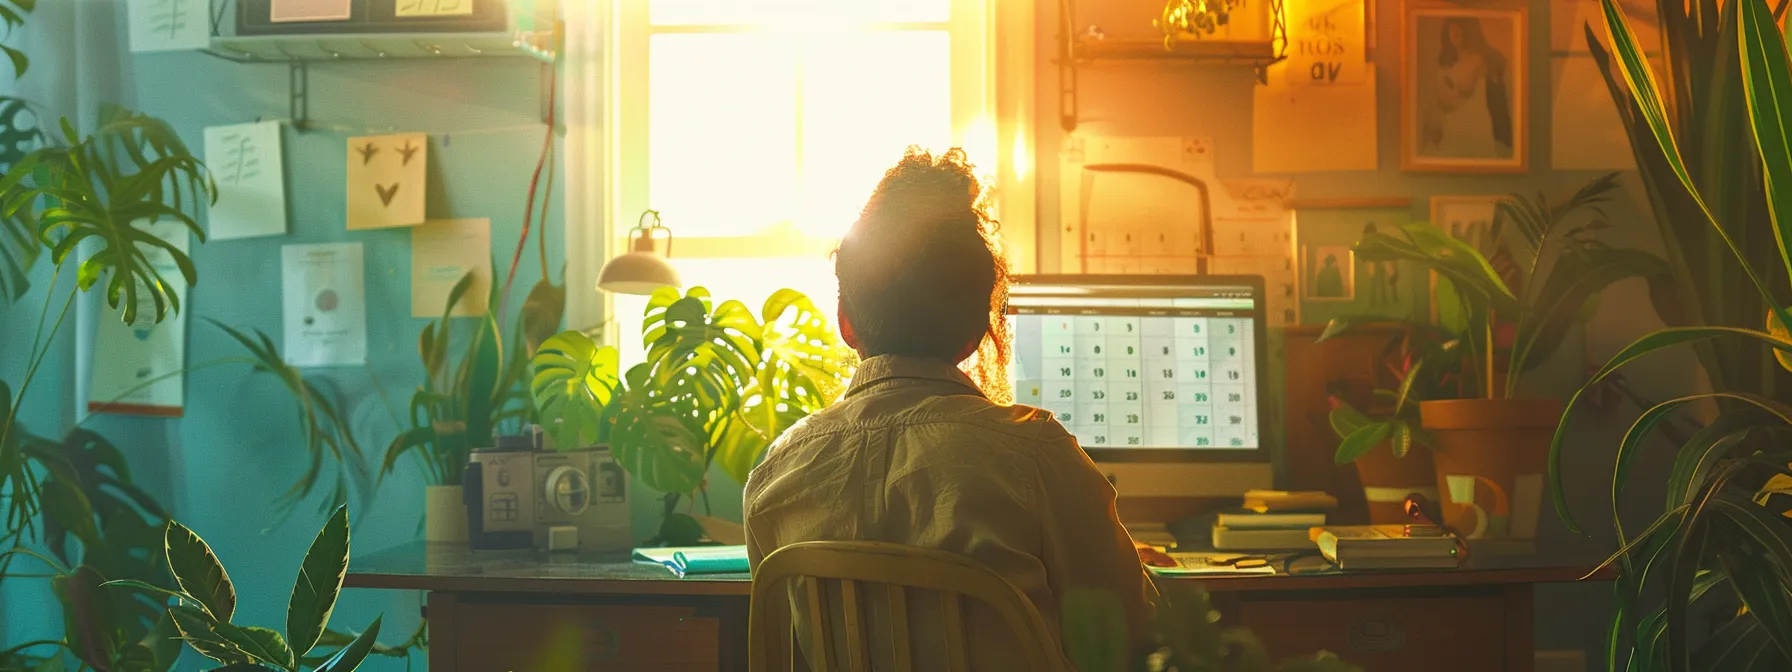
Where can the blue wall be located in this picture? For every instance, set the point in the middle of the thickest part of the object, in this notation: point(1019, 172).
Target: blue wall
point(222, 467)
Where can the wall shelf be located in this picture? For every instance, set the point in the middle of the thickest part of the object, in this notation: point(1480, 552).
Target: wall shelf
point(384, 46)
point(298, 52)
point(1079, 46)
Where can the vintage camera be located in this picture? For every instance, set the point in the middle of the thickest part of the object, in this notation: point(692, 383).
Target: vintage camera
point(520, 495)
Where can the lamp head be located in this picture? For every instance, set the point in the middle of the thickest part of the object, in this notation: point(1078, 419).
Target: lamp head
point(641, 270)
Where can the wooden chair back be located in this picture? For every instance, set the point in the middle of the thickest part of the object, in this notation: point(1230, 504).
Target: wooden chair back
point(852, 570)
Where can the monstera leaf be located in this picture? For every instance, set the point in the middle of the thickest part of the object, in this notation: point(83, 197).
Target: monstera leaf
point(658, 439)
point(573, 384)
point(683, 335)
point(801, 346)
point(107, 188)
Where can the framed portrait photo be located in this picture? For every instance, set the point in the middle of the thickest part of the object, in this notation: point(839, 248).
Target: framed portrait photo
point(1463, 89)
point(1328, 273)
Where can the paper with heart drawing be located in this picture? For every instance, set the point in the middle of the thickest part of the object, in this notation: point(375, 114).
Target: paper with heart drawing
point(386, 179)
point(137, 367)
point(443, 251)
point(324, 304)
point(246, 163)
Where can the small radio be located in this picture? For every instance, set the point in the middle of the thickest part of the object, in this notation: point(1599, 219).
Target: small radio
point(520, 495)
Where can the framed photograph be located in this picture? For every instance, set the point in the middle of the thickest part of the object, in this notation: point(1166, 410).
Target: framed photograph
point(1328, 272)
point(1463, 89)
point(1470, 220)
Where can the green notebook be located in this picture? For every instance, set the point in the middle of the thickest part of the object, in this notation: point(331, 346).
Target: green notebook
point(684, 560)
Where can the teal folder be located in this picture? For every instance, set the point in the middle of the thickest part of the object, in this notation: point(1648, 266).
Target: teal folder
point(683, 560)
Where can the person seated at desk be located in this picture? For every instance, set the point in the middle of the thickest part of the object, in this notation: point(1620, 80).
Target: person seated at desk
point(915, 452)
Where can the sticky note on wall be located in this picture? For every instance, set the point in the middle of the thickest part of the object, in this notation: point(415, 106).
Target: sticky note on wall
point(442, 252)
point(386, 180)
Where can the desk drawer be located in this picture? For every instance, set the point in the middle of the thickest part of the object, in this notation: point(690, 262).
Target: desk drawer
point(1394, 634)
point(501, 637)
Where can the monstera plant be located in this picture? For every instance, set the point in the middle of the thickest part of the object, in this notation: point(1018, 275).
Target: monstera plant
point(719, 385)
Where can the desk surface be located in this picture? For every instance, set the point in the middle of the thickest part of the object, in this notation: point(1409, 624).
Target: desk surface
point(453, 568)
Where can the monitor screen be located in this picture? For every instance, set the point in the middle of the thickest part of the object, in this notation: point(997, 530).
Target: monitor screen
point(1143, 364)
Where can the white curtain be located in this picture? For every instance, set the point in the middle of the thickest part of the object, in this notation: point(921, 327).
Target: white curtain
point(582, 92)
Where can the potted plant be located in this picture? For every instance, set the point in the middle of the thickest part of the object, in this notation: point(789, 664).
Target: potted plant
point(1502, 309)
point(1383, 444)
point(718, 387)
point(1724, 537)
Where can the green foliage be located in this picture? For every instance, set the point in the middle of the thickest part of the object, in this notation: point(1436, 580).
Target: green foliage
point(88, 499)
point(1727, 523)
point(1537, 270)
point(107, 188)
point(1185, 636)
point(469, 391)
point(206, 600)
point(718, 387)
point(329, 438)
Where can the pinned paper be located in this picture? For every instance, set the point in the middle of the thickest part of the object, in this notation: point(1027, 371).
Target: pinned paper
point(442, 252)
point(416, 8)
point(1304, 129)
point(170, 25)
point(246, 163)
point(137, 367)
point(1325, 43)
point(386, 178)
point(285, 11)
point(325, 304)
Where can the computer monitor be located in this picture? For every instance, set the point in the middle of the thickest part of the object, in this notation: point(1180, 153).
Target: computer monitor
point(1160, 378)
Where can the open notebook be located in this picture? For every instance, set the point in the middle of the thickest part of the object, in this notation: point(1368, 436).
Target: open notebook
point(684, 560)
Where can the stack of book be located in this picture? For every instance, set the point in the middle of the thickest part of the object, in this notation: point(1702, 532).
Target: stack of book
point(1273, 520)
point(1357, 547)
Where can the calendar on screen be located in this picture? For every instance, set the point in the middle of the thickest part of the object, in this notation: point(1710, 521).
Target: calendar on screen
point(1141, 366)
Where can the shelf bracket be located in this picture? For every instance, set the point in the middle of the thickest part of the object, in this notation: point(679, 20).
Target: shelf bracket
point(298, 91)
point(1068, 104)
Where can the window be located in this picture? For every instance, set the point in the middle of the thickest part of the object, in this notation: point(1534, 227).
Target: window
point(759, 127)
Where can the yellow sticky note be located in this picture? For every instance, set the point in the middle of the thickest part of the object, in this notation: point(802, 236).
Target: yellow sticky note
point(442, 252)
point(416, 8)
point(386, 180)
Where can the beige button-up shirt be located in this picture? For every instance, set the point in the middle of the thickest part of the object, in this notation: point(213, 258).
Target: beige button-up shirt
point(914, 454)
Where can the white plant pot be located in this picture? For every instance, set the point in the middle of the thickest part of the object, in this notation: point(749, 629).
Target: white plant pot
point(444, 514)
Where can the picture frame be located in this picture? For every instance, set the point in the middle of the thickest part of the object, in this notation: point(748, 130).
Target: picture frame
point(1464, 88)
point(1327, 273)
point(1468, 219)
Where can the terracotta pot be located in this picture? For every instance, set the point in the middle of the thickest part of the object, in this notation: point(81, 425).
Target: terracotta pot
point(1387, 480)
point(444, 514)
point(1491, 458)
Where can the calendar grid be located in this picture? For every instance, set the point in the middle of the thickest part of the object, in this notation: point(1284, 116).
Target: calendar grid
point(1141, 377)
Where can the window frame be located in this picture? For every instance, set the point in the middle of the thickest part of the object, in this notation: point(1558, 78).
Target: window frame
point(992, 65)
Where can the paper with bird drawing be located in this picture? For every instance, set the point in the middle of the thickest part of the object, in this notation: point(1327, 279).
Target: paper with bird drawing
point(137, 367)
point(386, 177)
point(442, 252)
point(325, 305)
point(170, 25)
point(246, 163)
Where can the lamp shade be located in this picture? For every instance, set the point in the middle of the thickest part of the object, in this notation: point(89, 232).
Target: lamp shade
point(641, 270)
point(637, 273)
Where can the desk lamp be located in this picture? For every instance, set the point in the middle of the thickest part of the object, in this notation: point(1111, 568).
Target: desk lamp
point(641, 270)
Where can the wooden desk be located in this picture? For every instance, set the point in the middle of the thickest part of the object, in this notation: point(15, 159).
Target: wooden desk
point(526, 612)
